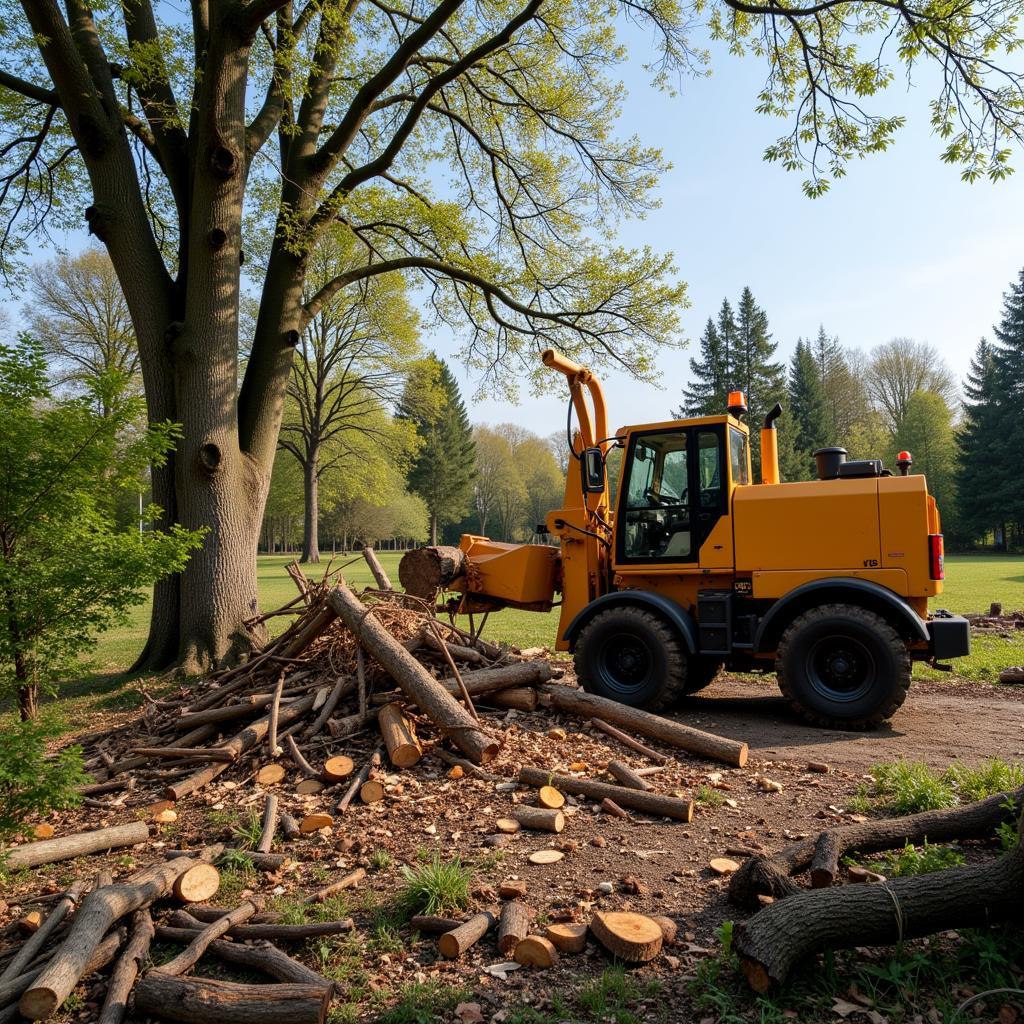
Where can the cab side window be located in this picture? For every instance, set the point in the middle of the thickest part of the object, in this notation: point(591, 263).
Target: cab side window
point(657, 509)
point(738, 456)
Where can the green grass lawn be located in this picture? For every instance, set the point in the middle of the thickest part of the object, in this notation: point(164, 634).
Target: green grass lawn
point(973, 582)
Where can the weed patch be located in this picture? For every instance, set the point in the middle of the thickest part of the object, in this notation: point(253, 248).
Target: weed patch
point(435, 887)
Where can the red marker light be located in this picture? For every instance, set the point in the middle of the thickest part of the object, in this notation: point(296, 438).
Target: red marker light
point(936, 557)
point(737, 403)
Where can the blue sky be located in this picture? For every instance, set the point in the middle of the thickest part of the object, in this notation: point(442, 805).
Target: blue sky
point(899, 247)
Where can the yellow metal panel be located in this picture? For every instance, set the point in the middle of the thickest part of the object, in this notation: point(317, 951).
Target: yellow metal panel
point(904, 507)
point(716, 552)
point(821, 524)
point(778, 584)
point(520, 573)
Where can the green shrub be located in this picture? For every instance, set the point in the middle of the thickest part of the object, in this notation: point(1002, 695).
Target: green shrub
point(436, 887)
point(913, 861)
point(986, 779)
point(907, 787)
point(30, 781)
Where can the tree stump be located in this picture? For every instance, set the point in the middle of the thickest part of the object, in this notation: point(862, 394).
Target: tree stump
point(630, 937)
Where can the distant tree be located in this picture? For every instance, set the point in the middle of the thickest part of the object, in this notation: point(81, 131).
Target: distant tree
point(926, 431)
point(442, 473)
point(754, 370)
point(901, 367)
point(709, 389)
point(1009, 361)
point(79, 314)
point(543, 479)
point(810, 415)
point(66, 571)
point(843, 390)
point(496, 472)
point(350, 366)
point(983, 466)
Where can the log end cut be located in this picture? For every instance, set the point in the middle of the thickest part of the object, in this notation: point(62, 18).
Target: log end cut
point(631, 937)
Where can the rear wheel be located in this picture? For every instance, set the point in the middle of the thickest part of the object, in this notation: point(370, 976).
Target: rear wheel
point(632, 656)
point(843, 667)
point(701, 671)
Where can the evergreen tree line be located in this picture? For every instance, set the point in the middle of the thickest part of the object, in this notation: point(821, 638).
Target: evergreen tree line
point(898, 396)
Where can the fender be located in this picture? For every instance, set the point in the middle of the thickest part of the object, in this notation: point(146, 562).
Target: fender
point(844, 589)
point(676, 614)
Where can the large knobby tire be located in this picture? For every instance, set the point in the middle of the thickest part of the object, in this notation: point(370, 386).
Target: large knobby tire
point(632, 656)
point(701, 671)
point(843, 667)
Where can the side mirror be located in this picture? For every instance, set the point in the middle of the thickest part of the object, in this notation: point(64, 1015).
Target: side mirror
point(593, 471)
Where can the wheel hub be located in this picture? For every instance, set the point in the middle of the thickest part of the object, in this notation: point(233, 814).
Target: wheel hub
point(840, 668)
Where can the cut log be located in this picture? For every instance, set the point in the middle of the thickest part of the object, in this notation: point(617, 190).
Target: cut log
point(770, 876)
point(535, 951)
point(609, 806)
point(414, 680)
point(425, 571)
point(668, 929)
point(372, 791)
point(21, 960)
point(342, 687)
point(269, 824)
point(567, 938)
point(345, 882)
point(404, 748)
point(625, 776)
point(308, 787)
point(484, 681)
point(630, 937)
point(545, 856)
point(48, 851)
point(260, 861)
point(197, 884)
point(454, 943)
point(649, 803)
point(270, 774)
point(290, 827)
point(431, 925)
point(507, 825)
point(517, 698)
point(284, 932)
point(514, 925)
point(337, 768)
point(44, 830)
point(206, 1001)
point(792, 930)
point(381, 578)
point(548, 796)
point(99, 910)
point(704, 744)
point(126, 970)
point(275, 711)
point(364, 773)
point(470, 655)
point(628, 741)
point(723, 865)
point(165, 817)
point(190, 956)
point(545, 819)
point(342, 728)
point(314, 823)
point(195, 753)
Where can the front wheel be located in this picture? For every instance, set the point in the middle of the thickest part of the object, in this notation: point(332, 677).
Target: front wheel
point(843, 667)
point(632, 656)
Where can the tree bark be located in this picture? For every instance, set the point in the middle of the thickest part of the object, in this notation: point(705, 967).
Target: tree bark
point(380, 576)
point(206, 1001)
point(115, 1003)
point(514, 926)
point(770, 876)
point(425, 571)
point(415, 681)
point(30, 855)
point(648, 803)
point(587, 705)
point(190, 956)
point(788, 932)
point(311, 506)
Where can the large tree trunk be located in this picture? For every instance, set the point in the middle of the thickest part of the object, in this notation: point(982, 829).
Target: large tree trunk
point(311, 524)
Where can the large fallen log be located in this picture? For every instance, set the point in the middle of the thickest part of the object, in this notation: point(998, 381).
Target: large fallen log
point(588, 705)
point(424, 571)
point(184, 922)
point(638, 800)
point(267, 958)
point(20, 961)
point(414, 680)
point(770, 876)
point(190, 956)
point(483, 681)
point(206, 1001)
point(79, 844)
point(99, 910)
point(772, 942)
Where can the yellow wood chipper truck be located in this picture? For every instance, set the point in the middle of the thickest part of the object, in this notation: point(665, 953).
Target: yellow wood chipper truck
point(696, 567)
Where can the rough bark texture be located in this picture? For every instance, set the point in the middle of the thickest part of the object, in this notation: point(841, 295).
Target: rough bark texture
point(631, 937)
point(404, 748)
point(48, 851)
point(542, 818)
point(99, 910)
point(789, 931)
point(205, 1001)
point(425, 571)
point(770, 876)
point(625, 775)
point(587, 705)
point(267, 958)
point(454, 943)
point(115, 1003)
point(649, 803)
point(381, 577)
point(37, 940)
point(190, 955)
point(514, 926)
point(415, 681)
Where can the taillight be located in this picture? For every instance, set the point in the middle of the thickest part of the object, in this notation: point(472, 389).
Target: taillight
point(936, 557)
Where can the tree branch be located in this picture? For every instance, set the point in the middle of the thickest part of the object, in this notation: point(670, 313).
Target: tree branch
point(29, 90)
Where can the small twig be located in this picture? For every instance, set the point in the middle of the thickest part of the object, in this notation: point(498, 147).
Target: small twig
point(364, 773)
point(449, 758)
point(301, 763)
point(269, 822)
point(361, 677)
point(275, 710)
point(455, 670)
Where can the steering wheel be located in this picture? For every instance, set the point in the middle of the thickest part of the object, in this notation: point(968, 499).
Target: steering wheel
point(660, 499)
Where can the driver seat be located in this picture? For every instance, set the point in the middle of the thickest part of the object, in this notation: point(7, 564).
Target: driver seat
point(678, 544)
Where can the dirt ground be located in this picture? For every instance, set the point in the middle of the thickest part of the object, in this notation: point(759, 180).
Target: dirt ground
point(651, 866)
